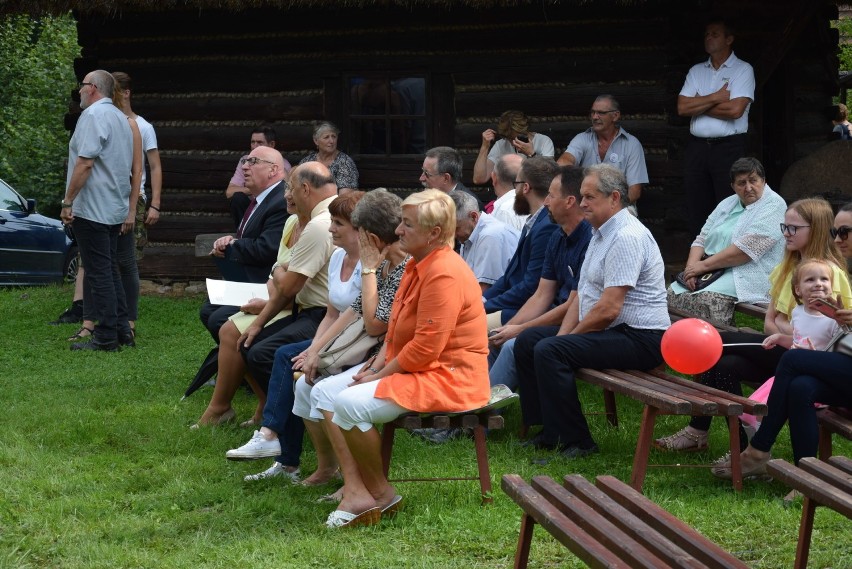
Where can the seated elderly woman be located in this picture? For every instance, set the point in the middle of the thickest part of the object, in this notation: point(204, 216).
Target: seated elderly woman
point(740, 238)
point(434, 357)
point(341, 164)
point(382, 265)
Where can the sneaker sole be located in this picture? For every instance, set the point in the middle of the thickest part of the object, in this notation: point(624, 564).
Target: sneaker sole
point(253, 456)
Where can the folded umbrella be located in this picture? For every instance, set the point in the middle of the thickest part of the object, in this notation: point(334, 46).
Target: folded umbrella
point(209, 368)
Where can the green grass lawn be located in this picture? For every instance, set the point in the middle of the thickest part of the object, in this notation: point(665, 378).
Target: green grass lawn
point(98, 469)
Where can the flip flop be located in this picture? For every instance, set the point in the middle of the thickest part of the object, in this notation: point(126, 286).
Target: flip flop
point(393, 508)
point(341, 519)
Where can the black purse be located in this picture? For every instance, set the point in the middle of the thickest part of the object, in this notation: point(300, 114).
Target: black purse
point(703, 281)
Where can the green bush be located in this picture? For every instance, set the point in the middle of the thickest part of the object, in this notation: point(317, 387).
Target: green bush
point(37, 75)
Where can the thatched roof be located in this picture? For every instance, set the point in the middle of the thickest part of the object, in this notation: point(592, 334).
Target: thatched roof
point(111, 7)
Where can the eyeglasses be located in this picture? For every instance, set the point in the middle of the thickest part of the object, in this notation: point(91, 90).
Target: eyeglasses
point(83, 84)
point(594, 112)
point(516, 182)
point(791, 229)
point(253, 160)
point(842, 232)
point(428, 175)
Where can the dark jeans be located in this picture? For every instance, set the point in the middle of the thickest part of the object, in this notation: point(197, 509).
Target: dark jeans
point(129, 271)
point(260, 356)
point(278, 411)
point(738, 365)
point(707, 176)
point(105, 301)
point(546, 365)
point(803, 378)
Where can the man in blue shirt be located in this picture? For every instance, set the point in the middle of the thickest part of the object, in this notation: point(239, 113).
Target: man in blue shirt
point(560, 274)
point(514, 288)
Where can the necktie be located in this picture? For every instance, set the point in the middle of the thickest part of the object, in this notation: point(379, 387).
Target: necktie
point(246, 216)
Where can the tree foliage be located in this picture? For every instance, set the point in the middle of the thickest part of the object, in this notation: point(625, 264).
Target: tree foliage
point(845, 28)
point(37, 74)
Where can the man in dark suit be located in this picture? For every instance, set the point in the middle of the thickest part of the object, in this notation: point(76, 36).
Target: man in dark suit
point(442, 170)
point(520, 281)
point(252, 251)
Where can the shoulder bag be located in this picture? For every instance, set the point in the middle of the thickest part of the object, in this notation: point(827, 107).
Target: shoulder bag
point(350, 347)
point(702, 281)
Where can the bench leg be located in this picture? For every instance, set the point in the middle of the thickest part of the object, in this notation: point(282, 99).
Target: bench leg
point(609, 406)
point(522, 553)
point(482, 463)
point(736, 463)
point(388, 432)
point(643, 447)
point(824, 451)
point(805, 528)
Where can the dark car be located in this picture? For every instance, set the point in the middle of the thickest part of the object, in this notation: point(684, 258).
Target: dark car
point(34, 249)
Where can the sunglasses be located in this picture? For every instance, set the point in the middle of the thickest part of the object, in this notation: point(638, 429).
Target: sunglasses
point(841, 232)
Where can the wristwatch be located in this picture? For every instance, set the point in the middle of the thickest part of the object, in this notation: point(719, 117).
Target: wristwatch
point(368, 271)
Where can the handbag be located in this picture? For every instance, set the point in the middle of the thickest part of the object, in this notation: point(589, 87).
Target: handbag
point(348, 348)
point(841, 343)
point(702, 281)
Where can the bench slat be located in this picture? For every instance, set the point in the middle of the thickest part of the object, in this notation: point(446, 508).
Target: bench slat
point(815, 487)
point(633, 525)
point(667, 404)
point(558, 525)
point(597, 526)
point(701, 405)
point(749, 406)
point(841, 463)
point(667, 525)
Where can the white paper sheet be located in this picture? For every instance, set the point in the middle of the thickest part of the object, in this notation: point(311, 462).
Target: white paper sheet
point(233, 293)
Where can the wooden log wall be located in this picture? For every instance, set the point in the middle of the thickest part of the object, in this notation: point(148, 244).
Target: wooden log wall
point(206, 78)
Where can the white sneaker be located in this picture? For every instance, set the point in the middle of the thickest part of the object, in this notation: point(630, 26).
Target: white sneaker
point(257, 447)
point(277, 469)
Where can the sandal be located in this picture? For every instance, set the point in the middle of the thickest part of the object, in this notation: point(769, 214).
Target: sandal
point(750, 467)
point(81, 334)
point(684, 440)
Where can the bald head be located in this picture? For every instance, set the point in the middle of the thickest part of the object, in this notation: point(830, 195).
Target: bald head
point(505, 173)
point(263, 169)
point(311, 183)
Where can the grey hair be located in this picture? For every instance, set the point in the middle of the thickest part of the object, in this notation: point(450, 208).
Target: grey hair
point(610, 179)
point(449, 161)
point(104, 82)
point(379, 212)
point(314, 179)
point(323, 126)
point(506, 173)
point(465, 203)
point(613, 102)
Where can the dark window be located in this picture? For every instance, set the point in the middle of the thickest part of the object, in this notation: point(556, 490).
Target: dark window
point(387, 114)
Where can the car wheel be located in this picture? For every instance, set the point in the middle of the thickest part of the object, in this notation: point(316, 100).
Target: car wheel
point(72, 265)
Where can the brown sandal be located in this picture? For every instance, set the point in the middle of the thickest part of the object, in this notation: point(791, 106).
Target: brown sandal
point(684, 440)
point(81, 334)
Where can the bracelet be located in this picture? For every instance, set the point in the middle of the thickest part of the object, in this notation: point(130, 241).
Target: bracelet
point(64, 205)
point(372, 369)
point(155, 208)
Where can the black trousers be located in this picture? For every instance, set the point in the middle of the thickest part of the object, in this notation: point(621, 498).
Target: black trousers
point(546, 365)
point(707, 177)
point(214, 316)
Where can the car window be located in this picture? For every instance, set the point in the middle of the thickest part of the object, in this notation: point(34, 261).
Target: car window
point(9, 200)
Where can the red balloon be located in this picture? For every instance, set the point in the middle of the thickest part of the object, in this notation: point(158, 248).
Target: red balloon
point(691, 346)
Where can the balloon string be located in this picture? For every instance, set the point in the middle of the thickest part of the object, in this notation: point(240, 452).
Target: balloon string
point(745, 344)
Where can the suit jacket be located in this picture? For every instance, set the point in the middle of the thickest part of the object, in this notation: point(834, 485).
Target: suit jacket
point(520, 281)
point(257, 249)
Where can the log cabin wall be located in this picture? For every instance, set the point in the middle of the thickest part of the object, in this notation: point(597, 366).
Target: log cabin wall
point(205, 78)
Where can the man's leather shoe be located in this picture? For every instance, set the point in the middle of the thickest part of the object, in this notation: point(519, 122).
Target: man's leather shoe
point(538, 442)
point(127, 340)
point(95, 346)
point(567, 453)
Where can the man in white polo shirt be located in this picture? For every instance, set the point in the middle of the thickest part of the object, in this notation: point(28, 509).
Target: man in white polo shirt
point(717, 95)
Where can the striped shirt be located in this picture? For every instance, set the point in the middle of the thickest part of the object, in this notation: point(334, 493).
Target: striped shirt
point(623, 252)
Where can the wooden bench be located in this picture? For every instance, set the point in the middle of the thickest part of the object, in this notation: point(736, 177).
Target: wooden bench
point(609, 524)
point(822, 484)
point(666, 394)
point(478, 420)
point(832, 420)
point(754, 310)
